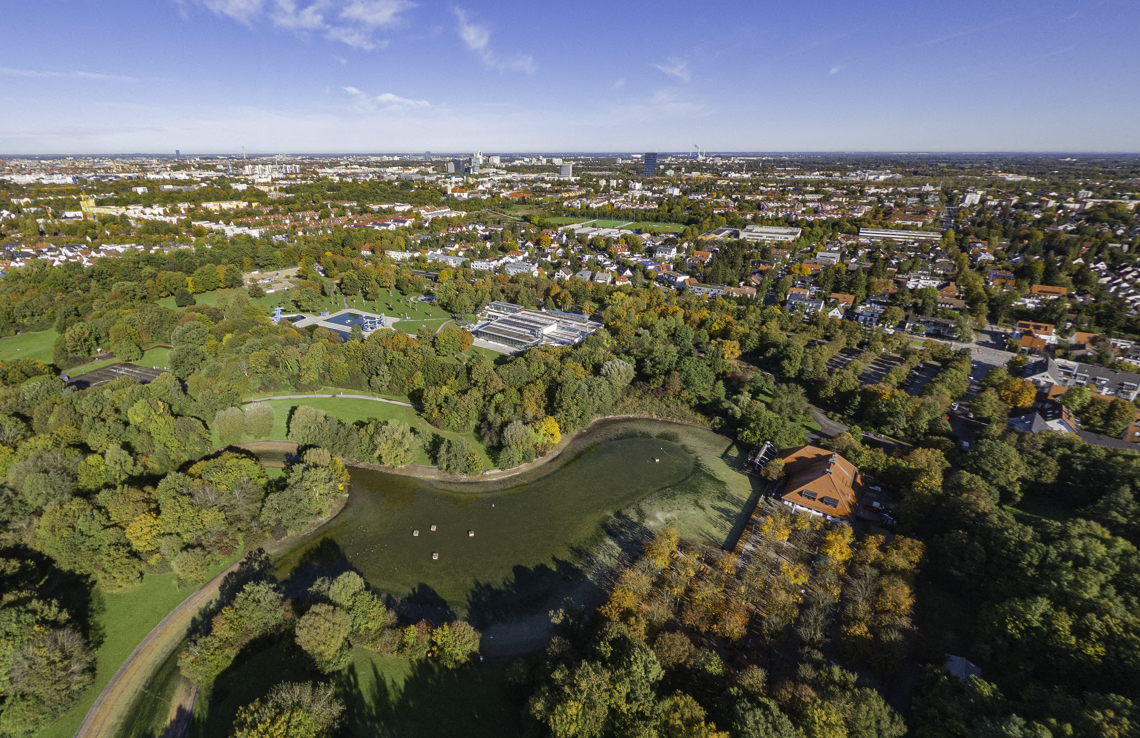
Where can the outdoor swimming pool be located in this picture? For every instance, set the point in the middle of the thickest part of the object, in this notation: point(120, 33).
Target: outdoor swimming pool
point(347, 320)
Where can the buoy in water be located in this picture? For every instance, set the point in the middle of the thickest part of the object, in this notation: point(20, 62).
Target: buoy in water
point(434, 556)
point(415, 532)
point(433, 528)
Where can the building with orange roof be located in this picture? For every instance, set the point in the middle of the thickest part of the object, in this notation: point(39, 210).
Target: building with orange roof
point(1035, 336)
point(1048, 290)
point(842, 299)
point(1082, 340)
point(821, 482)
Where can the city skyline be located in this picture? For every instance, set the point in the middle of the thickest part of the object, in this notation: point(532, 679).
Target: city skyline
point(341, 76)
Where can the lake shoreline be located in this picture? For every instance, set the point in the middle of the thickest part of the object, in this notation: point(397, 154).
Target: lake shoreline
point(433, 473)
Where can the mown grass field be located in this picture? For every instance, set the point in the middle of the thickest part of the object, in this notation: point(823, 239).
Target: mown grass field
point(350, 410)
point(124, 619)
point(644, 225)
point(155, 357)
point(35, 345)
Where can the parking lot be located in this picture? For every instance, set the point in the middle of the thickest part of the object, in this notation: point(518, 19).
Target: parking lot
point(879, 368)
point(920, 376)
point(272, 280)
point(143, 374)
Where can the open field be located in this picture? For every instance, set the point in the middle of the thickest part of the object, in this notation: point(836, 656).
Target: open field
point(645, 225)
point(355, 410)
point(155, 357)
point(125, 618)
point(211, 298)
point(28, 346)
point(382, 695)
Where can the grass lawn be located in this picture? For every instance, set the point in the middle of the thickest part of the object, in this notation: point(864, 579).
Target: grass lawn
point(211, 298)
point(644, 225)
point(562, 220)
point(125, 618)
point(28, 346)
point(382, 695)
point(155, 357)
point(490, 354)
point(352, 411)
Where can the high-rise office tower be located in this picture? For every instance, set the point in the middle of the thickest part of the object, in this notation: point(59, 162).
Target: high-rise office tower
point(649, 164)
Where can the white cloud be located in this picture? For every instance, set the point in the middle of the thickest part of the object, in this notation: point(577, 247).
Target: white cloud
point(243, 11)
point(675, 67)
point(374, 13)
point(618, 83)
point(385, 101)
point(351, 22)
point(97, 76)
point(477, 38)
point(834, 71)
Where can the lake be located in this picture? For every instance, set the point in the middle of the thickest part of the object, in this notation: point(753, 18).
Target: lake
point(537, 535)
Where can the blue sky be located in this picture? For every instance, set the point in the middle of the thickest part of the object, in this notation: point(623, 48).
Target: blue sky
point(206, 76)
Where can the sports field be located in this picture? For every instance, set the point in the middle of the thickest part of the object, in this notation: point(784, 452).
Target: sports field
point(644, 225)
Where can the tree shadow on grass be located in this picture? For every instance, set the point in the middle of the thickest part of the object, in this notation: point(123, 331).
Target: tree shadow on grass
point(472, 701)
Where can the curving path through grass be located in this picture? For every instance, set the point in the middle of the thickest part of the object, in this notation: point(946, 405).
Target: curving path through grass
point(116, 697)
point(340, 396)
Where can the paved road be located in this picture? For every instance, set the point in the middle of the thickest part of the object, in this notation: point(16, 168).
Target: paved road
point(103, 716)
point(341, 395)
point(828, 427)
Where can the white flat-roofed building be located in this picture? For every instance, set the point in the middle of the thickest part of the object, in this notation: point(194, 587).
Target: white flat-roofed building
point(770, 234)
point(886, 234)
point(521, 328)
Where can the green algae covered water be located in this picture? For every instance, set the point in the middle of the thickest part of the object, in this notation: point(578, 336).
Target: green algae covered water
point(501, 549)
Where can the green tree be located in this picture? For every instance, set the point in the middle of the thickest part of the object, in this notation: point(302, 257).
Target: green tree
point(1120, 415)
point(183, 298)
point(396, 444)
point(45, 665)
point(127, 351)
point(999, 464)
point(323, 634)
point(230, 425)
point(259, 418)
point(291, 710)
point(455, 643)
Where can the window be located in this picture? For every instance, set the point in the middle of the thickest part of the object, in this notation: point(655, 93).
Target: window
point(807, 494)
point(830, 501)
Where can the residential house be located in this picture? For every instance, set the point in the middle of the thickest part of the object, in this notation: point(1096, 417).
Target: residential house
point(1050, 416)
point(707, 290)
point(1035, 337)
point(842, 298)
point(941, 327)
point(1048, 291)
point(740, 291)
